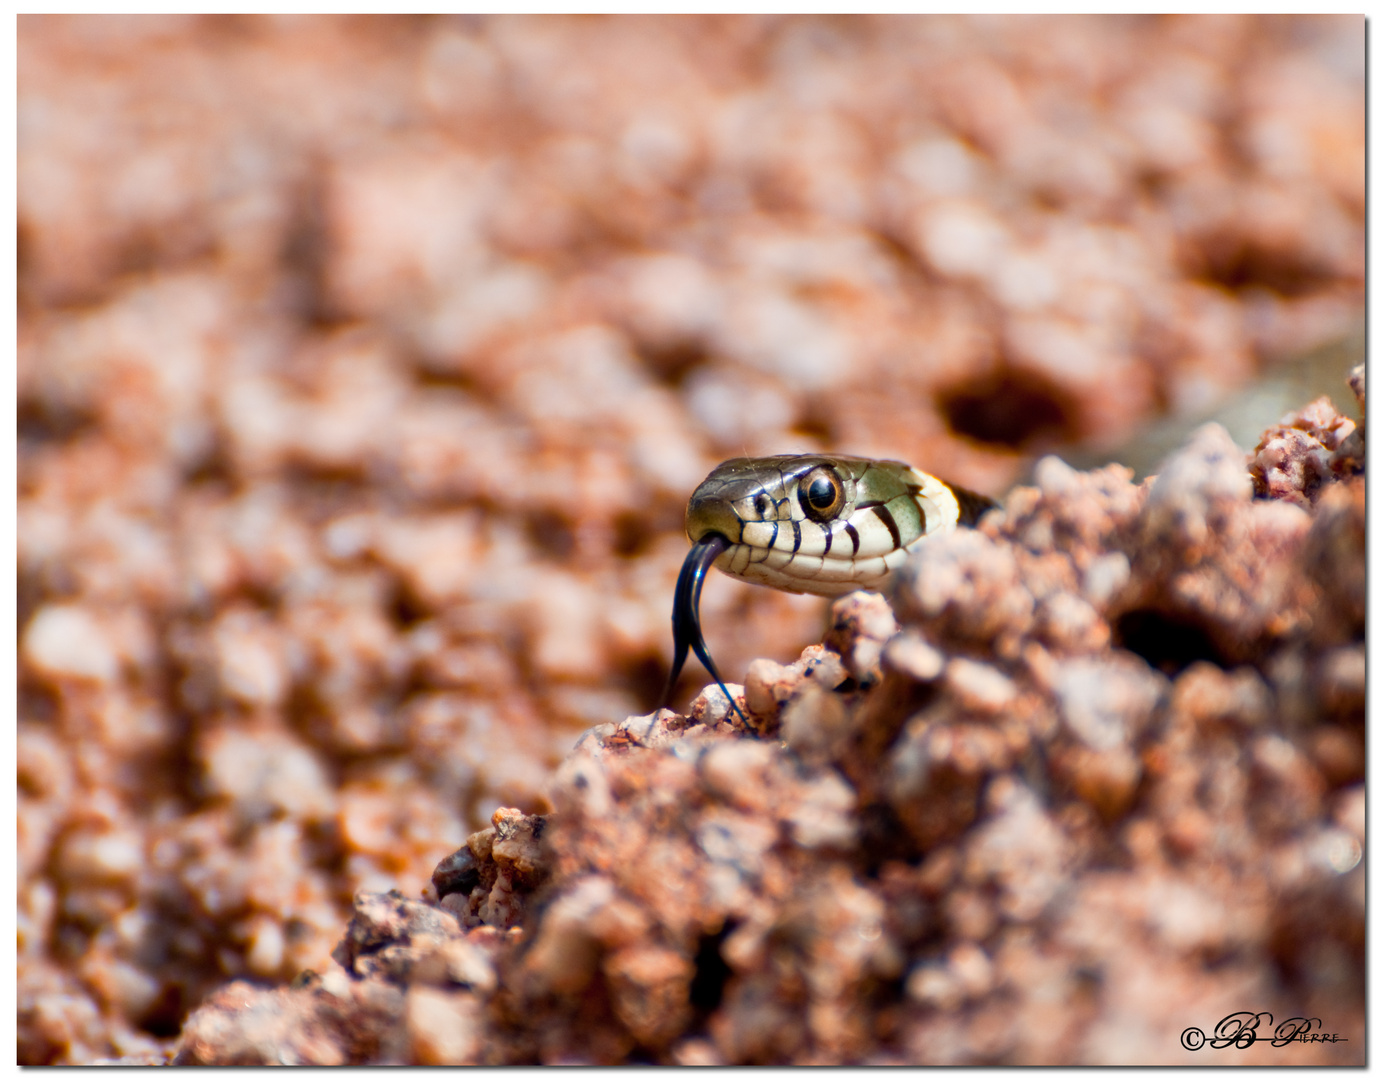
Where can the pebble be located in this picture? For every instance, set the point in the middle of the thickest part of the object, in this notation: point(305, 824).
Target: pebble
point(66, 641)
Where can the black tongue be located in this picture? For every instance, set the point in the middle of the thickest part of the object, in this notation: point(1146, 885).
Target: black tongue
point(686, 614)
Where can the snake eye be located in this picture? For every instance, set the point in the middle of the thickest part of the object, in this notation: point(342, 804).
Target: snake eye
point(820, 494)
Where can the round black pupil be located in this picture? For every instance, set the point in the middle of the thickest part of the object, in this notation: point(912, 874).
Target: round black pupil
point(821, 493)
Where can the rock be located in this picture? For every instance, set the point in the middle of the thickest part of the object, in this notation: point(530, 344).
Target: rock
point(66, 641)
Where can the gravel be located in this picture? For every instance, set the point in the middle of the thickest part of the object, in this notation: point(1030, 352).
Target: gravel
point(364, 369)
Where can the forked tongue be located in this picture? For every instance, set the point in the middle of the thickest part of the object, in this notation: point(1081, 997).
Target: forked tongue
point(686, 614)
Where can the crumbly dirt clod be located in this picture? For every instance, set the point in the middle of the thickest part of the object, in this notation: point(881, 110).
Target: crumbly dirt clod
point(1295, 457)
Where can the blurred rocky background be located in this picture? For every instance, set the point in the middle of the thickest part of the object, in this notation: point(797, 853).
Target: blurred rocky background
point(365, 366)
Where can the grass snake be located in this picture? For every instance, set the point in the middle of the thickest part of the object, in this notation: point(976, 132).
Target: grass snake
point(826, 524)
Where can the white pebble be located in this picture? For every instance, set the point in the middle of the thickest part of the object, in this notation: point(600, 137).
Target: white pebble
point(266, 948)
point(979, 686)
point(909, 654)
point(64, 640)
point(1105, 576)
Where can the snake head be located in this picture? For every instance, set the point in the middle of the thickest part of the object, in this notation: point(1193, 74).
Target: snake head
point(826, 524)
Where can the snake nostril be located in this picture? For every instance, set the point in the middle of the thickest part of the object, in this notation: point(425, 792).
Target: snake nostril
point(1011, 409)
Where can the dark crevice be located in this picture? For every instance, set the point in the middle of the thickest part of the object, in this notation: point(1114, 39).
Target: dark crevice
point(406, 610)
point(1010, 409)
point(212, 468)
point(181, 761)
point(898, 247)
point(712, 972)
point(324, 483)
point(646, 678)
point(166, 1015)
point(45, 422)
point(885, 712)
point(1239, 265)
point(37, 703)
point(634, 534)
point(304, 256)
point(1167, 642)
point(815, 421)
point(671, 362)
point(457, 873)
point(435, 375)
point(883, 838)
point(551, 534)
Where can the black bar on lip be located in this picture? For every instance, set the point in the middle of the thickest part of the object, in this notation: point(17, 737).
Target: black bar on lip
point(686, 614)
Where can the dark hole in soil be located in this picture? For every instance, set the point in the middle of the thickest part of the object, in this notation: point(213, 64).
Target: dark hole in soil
point(304, 256)
point(45, 422)
point(165, 1018)
point(712, 972)
point(634, 534)
point(1238, 265)
point(1009, 409)
point(457, 873)
point(671, 362)
point(815, 421)
point(213, 467)
point(551, 534)
point(406, 609)
point(1167, 642)
point(647, 678)
point(884, 838)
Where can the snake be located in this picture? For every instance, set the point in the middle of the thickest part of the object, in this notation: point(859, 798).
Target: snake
point(825, 524)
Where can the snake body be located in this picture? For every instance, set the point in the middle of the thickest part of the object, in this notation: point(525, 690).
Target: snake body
point(808, 523)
